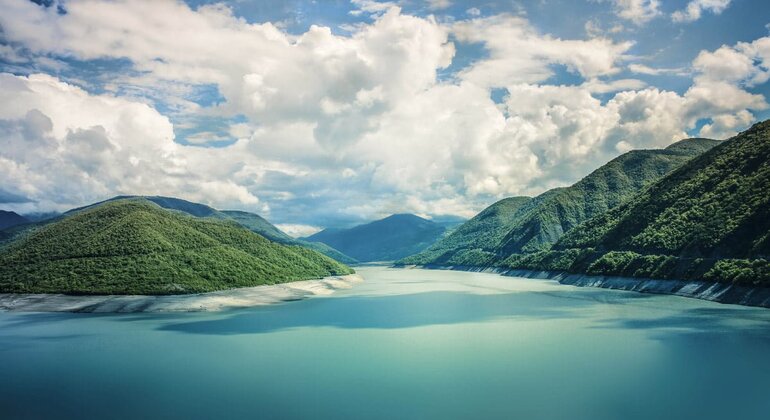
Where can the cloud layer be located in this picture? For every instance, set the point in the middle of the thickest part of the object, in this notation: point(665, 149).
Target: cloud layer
point(332, 128)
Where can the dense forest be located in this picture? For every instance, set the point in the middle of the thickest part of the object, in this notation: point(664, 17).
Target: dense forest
point(710, 220)
point(522, 226)
point(133, 246)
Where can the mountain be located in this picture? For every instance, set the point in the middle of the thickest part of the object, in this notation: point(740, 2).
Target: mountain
point(559, 211)
point(252, 221)
point(541, 221)
point(258, 224)
point(473, 239)
point(388, 239)
point(9, 219)
point(709, 219)
point(134, 246)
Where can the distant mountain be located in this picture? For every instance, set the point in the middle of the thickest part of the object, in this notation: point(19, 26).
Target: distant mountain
point(9, 219)
point(41, 216)
point(480, 235)
point(133, 246)
point(539, 222)
point(252, 221)
point(258, 224)
point(388, 239)
point(449, 221)
point(710, 219)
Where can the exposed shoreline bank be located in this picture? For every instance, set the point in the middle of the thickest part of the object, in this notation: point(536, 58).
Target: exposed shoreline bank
point(202, 302)
point(712, 291)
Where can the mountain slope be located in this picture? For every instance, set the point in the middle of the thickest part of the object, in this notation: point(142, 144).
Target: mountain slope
point(133, 246)
point(252, 221)
point(542, 220)
point(709, 219)
point(9, 219)
point(475, 239)
point(388, 239)
point(258, 224)
point(598, 192)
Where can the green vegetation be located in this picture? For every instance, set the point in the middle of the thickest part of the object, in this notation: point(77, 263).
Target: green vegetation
point(258, 224)
point(558, 211)
point(251, 221)
point(709, 219)
point(132, 246)
point(474, 242)
point(388, 239)
point(524, 226)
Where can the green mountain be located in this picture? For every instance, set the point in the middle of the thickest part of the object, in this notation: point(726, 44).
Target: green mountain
point(133, 246)
point(709, 219)
point(10, 219)
point(536, 224)
point(559, 211)
point(258, 224)
point(388, 239)
point(252, 221)
point(473, 240)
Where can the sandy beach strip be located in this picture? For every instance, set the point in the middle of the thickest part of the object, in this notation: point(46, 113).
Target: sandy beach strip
point(213, 301)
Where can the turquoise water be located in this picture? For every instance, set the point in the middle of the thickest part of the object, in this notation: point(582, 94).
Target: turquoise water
point(405, 344)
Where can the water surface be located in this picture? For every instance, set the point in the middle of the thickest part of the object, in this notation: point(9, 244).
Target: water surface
point(405, 344)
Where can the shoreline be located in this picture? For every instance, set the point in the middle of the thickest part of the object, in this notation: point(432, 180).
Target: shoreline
point(704, 290)
point(202, 302)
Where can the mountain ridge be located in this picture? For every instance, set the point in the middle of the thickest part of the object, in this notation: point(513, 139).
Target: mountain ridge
point(134, 246)
point(709, 220)
point(542, 220)
point(387, 239)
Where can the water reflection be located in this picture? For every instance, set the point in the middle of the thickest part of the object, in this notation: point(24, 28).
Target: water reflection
point(388, 312)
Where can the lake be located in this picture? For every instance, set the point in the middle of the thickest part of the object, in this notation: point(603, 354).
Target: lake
point(404, 344)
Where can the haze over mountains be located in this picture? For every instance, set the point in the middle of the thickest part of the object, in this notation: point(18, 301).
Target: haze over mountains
point(388, 239)
point(10, 219)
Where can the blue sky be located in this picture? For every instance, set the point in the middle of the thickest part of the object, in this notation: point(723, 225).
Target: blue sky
point(329, 113)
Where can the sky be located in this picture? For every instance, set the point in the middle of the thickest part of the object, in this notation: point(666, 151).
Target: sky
point(332, 113)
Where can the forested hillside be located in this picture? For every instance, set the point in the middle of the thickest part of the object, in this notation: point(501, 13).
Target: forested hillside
point(133, 246)
point(709, 219)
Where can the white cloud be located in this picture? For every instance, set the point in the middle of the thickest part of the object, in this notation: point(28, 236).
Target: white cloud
point(473, 11)
point(518, 54)
point(370, 6)
point(695, 9)
point(643, 69)
point(341, 126)
point(63, 147)
point(438, 4)
point(637, 11)
point(298, 231)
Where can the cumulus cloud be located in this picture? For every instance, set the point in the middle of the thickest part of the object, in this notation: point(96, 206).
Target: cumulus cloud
point(695, 9)
point(63, 147)
point(519, 54)
point(340, 128)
